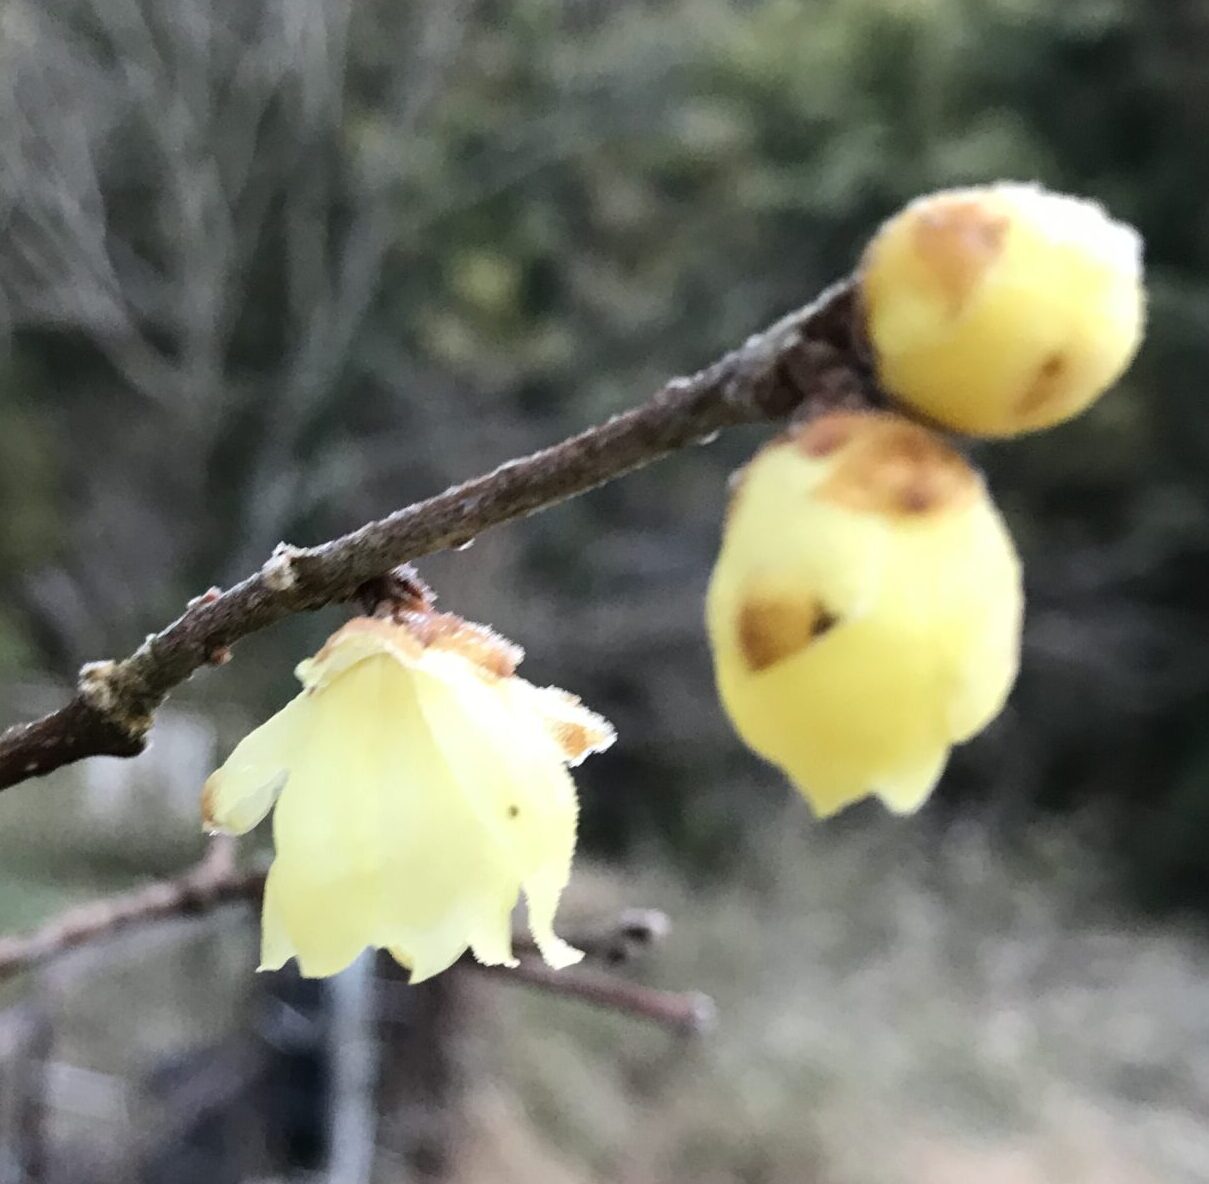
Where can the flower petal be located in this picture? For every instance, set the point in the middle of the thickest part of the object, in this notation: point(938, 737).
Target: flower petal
point(511, 769)
point(327, 831)
point(908, 788)
point(491, 937)
point(320, 921)
point(542, 892)
point(359, 639)
point(376, 843)
point(238, 795)
point(276, 946)
point(437, 951)
point(576, 730)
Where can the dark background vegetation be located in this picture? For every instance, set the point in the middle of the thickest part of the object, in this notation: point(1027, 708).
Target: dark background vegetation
point(269, 268)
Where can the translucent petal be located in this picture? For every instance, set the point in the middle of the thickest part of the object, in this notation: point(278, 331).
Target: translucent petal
point(276, 947)
point(510, 768)
point(376, 843)
point(907, 789)
point(830, 790)
point(327, 832)
point(359, 639)
point(576, 730)
point(322, 921)
point(491, 937)
point(436, 952)
point(237, 796)
point(444, 867)
point(542, 892)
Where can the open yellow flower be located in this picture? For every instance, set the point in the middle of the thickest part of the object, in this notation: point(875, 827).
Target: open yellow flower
point(1002, 309)
point(420, 787)
point(864, 611)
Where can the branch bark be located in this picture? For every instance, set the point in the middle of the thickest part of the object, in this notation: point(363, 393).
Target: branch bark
point(215, 881)
point(687, 1012)
point(211, 883)
point(809, 360)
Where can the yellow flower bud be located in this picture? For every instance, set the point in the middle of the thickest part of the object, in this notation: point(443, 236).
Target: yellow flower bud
point(1002, 309)
point(864, 611)
point(420, 787)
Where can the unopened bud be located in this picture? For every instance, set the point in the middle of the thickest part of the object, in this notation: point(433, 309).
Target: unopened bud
point(1002, 309)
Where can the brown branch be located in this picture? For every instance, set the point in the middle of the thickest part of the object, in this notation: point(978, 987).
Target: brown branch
point(806, 361)
point(215, 881)
point(689, 1012)
point(207, 886)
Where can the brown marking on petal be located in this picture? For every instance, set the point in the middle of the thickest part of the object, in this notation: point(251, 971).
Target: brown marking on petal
point(576, 729)
point(1048, 382)
point(958, 238)
point(514, 811)
point(899, 469)
point(410, 632)
point(774, 628)
point(572, 737)
point(493, 655)
point(378, 633)
point(816, 439)
point(209, 803)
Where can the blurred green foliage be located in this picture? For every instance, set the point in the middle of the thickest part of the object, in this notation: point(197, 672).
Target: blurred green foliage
point(579, 199)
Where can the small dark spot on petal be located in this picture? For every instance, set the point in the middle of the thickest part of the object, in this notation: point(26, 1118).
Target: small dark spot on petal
point(513, 811)
point(824, 621)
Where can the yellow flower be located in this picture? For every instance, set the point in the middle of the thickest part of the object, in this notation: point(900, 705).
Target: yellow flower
point(423, 786)
point(1002, 309)
point(864, 612)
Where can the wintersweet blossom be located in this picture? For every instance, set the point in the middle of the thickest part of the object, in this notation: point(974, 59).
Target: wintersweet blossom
point(420, 788)
point(864, 612)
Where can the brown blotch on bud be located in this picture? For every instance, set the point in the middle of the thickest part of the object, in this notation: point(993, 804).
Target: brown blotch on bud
point(825, 436)
point(773, 628)
point(958, 239)
point(896, 468)
point(1049, 381)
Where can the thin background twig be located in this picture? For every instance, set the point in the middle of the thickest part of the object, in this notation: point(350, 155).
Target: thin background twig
point(216, 881)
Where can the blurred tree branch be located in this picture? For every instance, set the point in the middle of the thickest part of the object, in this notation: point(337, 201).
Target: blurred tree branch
point(687, 1012)
point(807, 361)
point(216, 880)
point(212, 882)
point(159, 165)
